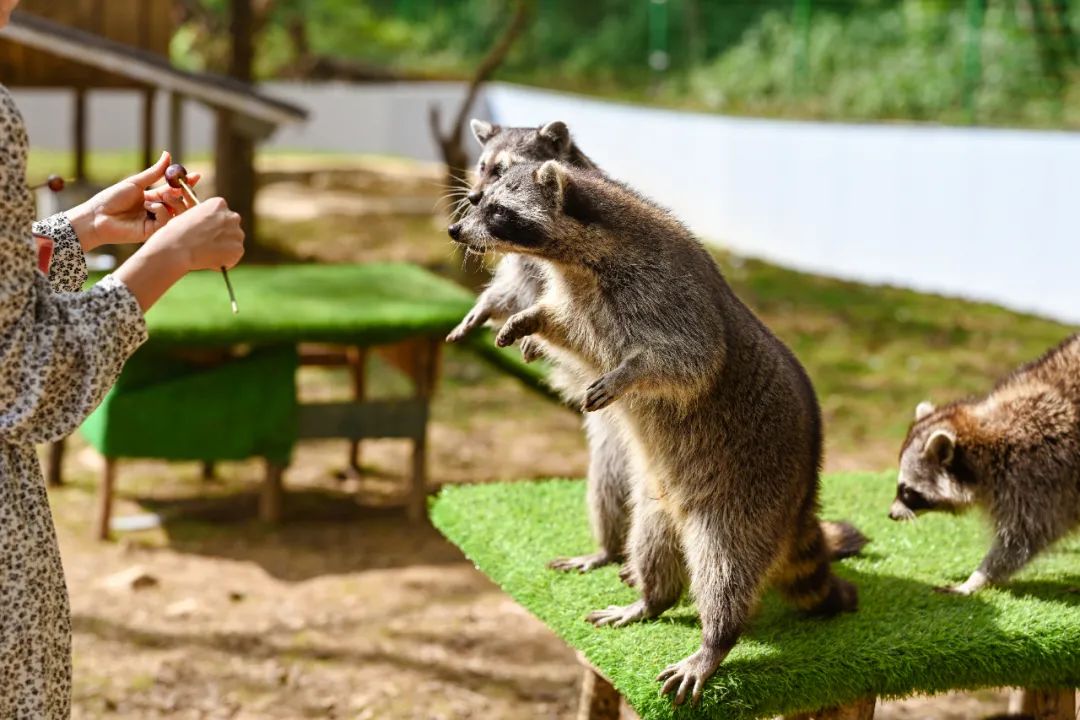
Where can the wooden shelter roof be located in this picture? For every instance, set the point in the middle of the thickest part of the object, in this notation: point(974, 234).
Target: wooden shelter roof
point(147, 68)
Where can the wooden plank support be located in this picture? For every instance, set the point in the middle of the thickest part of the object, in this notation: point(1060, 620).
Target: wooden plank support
point(55, 476)
point(357, 359)
point(270, 499)
point(1042, 704)
point(599, 699)
point(859, 710)
point(425, 363)
point(176, 126)
point(405, 418)
point(79, 131)
point(105, 500)
point(149, 102)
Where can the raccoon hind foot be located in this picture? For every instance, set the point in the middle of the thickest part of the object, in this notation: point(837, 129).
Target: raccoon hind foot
point(842, 539)
point(583, 563)
point(842, 597)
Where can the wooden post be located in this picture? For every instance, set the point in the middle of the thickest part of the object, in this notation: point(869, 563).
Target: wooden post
point(357, 359)
point(234, 163)
point(78, 129)
point(425, 366)
point(1057, 704)
point(105, 499)
point(858, 710)
point(55, 476)
point(270, 500)
point(176, 126)
point(599, 699)
point(208, 471)
point(149, 102)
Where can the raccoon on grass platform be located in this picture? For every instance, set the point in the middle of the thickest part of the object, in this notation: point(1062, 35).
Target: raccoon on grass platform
point(905, 638)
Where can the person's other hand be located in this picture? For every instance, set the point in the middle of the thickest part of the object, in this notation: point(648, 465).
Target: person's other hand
point(129, 211)
point(206, 237)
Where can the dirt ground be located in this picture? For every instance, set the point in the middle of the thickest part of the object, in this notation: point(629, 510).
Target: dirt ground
point(345, 610)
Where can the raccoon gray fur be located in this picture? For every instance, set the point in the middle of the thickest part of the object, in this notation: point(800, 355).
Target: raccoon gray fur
point(517, 283)
point(1015, 453)
point(721, 420)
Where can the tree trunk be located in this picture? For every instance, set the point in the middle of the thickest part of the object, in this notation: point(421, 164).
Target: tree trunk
point(235, 150)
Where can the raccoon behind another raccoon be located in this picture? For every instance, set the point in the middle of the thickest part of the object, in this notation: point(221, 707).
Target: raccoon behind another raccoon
point(1015, 453)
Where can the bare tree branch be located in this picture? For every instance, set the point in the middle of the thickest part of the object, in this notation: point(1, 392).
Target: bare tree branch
point(454, 154)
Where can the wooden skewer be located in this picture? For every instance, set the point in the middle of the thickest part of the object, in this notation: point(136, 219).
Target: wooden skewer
point(176, 176)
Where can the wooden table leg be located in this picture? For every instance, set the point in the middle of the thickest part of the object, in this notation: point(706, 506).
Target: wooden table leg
point(599, 698)
point(424, 374)
point(105, 500)
point(270, 499)
point(858, 710)
point(55, 472)
point(208, 470)
point(356, 358)
point(1057, 704)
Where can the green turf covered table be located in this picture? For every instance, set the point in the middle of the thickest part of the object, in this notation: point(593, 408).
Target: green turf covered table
point(904, 639)
point(211, 385)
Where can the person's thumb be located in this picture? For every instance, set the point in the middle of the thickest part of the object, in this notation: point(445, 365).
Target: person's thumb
point(152, 174)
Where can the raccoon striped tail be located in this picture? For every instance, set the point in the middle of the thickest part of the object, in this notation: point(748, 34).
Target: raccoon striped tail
point(806, 579)
point(842, 540)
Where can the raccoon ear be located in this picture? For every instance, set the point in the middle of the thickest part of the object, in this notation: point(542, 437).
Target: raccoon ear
point(557, 134)
point(483, 131)
point(552, 175)
point(923, 409)
point(940, 446)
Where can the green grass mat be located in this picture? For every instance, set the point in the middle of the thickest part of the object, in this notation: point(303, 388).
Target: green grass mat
point(365, 304)
point(905, 638)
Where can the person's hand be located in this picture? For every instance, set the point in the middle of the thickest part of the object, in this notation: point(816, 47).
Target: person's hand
point(206, 237)
point(118, 215)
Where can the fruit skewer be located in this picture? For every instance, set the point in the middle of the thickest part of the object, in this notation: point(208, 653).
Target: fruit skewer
point(176, 176)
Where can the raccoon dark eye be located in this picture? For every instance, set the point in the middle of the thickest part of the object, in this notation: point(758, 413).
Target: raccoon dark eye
point(496, 172)
point(483, 166)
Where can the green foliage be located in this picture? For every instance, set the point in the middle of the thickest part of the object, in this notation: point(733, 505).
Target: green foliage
point(837, 59)
point(901, 61)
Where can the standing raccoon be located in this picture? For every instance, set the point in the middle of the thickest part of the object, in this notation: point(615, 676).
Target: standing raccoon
point(721, 419)
point(1015, 453)
point(517, 284)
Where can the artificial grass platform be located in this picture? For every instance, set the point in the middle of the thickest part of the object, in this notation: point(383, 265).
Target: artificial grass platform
point(905, 638)
point(363, 304)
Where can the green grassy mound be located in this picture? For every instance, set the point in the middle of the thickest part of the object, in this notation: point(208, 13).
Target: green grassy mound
point(905, 638)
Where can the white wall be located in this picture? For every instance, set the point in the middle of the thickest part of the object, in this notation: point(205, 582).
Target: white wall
point(988, 214)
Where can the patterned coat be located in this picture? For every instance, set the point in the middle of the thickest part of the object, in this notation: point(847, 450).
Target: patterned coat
point(60, 351)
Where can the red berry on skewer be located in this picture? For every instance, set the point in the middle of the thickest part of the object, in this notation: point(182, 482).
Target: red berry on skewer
point(55, 183)
point(175, 175)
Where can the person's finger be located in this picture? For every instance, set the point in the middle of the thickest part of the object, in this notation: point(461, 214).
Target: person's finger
point(193, 179)
point(171, 197)
point(152, 174)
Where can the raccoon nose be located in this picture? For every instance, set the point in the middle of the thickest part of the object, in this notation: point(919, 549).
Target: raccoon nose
point(454, 231)
point(475, 196)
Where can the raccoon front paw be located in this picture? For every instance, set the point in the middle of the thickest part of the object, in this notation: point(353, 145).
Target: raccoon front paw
point(626, 574)
point(516, 327)
point(582, 563)
point(618, 615)
point(470, 322)
point(688, 677)
point(531, 349)
point(600, 394)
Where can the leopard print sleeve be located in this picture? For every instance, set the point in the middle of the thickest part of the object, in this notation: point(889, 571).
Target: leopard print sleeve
point(67, 273)
point(59, 352)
